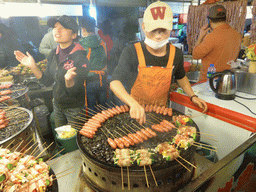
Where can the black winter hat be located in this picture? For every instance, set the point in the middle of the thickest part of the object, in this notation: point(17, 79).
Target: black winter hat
point(66, 21)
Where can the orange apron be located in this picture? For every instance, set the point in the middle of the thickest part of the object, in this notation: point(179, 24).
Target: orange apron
point(102, 71)
point(153, 83)
point(99, 72)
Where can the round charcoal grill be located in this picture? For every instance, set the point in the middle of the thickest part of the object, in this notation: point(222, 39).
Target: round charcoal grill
point(102, 175)
point(19, 93)
point(21, 128)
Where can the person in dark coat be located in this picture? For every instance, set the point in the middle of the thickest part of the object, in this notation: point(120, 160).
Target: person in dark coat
point(8, 43)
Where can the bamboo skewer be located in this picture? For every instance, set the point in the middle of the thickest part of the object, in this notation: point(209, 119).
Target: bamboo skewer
point(204, 147)
point(197, 143)
point(55, 155)
point(122, 175)
point(153, 175)
point(44, 150)
point(196, 132)
point(146, 177)
point(183, 165)
point(14, 146)
point(18, 146)
point(56, 160)
point(63, 175)
point(27, 143)
point(187, 161)
point(10, 144)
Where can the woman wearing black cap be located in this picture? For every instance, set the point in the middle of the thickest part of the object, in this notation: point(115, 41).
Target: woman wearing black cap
point(66, 70)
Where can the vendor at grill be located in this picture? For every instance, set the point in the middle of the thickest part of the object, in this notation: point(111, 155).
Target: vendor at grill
point(67, 69)
point(145, 69)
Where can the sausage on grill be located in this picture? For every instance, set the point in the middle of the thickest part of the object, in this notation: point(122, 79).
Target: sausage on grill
point(112, 143)
point(146, 133)
point(126, 143)
point(155, 127)
point(158, 109)
point(162, 109)
point(86, 134)
point(119, 143)
point(151, 132)
point(131, 136)
point(131, 142)
point(150, 109)
point(126, 108)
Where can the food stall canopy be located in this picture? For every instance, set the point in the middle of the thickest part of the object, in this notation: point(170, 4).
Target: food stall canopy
point(113, 3)
point(35, 9)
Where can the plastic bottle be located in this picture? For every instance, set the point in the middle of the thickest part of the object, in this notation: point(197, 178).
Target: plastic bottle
point(211, 70)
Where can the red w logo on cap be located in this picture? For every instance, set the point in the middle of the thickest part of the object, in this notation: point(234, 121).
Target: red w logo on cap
point(158, 12)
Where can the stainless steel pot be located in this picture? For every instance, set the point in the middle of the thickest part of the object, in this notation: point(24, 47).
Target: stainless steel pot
point(225, 87)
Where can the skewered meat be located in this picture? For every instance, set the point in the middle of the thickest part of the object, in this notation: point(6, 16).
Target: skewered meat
point(183, 141)
point(157, 128)
point(119, 143)
point(150, 109)
point(112, 143)
point(144, 157)
point(5, 92)
point(86, 134)
point(181, 120)
point(162, 110)
point(165, 111)
point(154, 108)
point(122, 108)
point(151, 132)
point(147, 108)
point(4, 98)
point(129, 140)
point(169, 112)
point(158, 109)
point(131, 136)
point(126, 108)
point(168, 151)
point(5, 86)
point(123, 157)
point(23, 173)
point(125, 142)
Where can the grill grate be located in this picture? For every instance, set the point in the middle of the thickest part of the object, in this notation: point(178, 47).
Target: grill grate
point(99, 149)
point(18, 120)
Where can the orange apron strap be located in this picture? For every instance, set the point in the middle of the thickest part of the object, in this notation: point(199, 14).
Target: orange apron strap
point(100, 73)
point(102, 43)
point(140, 54)
point(171, 56)
point(86, 101)
point(89, 53)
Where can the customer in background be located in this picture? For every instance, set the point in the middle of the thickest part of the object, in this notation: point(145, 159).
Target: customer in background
point(66, 70)
point(8, 43)
point(96, 83)
point(219, 46)
point(105, 34)
point(145, 69)
point(47, 43)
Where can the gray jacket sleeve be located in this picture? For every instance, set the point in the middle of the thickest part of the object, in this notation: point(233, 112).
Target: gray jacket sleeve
point(47, 43)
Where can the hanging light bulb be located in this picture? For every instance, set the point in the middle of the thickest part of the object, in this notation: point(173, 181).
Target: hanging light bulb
point(92, 11)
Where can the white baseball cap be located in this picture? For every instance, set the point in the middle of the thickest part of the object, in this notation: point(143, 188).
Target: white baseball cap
point(158, 15)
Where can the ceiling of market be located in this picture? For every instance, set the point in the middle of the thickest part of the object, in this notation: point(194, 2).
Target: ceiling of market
point(140, 3)
point(114, 3)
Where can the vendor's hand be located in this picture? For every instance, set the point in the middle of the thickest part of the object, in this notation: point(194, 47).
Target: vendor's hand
point(26, 60)
point(69, 77)
point(200, 103)
point(204, 30)
point(137, 112)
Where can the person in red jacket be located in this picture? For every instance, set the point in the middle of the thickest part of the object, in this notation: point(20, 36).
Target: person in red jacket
point(66, 70)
